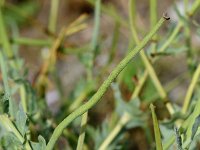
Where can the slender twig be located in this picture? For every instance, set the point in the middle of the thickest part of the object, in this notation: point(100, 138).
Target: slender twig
point(53, 15)
point(97, 24)
point(185, 6)
point(97, 96)
point(171, 37)
point(82, 132)
point(115, 39)
point(30, 41)
point(94, 42)
point(191, 89)
point(123, 121)
point(139, 86)
point(153, 12)
point(194, 8)
point(4, 38)
point(153, 20)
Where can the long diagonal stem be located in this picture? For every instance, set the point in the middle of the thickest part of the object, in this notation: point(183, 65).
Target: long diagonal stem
point(97, 96)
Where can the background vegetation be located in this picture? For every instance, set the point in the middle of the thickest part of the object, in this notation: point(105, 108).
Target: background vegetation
point(94, 74)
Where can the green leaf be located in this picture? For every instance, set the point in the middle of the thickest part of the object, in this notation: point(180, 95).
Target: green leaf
point(10, 142)
point(190, 122)
point(40, 145)
point(132, 107)
point(100, 134)
point(178, 139)
point(176, 50)
point(166, 132)
point(195, 126)
point(21, 120)
point(42, 142)
point(35, 146)
point(4, 103)
point(156, 129)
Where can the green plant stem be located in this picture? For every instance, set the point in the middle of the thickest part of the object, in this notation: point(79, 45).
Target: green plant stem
point(79, 100)
point(191, 89)
point(97, 96)
point(132, 14)
point(188, 124)
point(53, 15)
point(153, 12)
point(30, 41)
point(156, 129)
point(194, 8)
point(132, 19)
point(187, 32)
point(4, 38)
point(186, 5)
point(153, 75)
point(171, 37)
point(82, 133)
point(139, 86)
point(96, 25)
point(115, 39)
point(94, 42)
point(123, 121)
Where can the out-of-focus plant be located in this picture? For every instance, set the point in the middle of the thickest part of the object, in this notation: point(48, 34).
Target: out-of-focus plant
point(26, 122)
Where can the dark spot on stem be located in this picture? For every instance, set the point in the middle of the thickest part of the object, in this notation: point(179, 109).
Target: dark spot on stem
point(166, 16)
